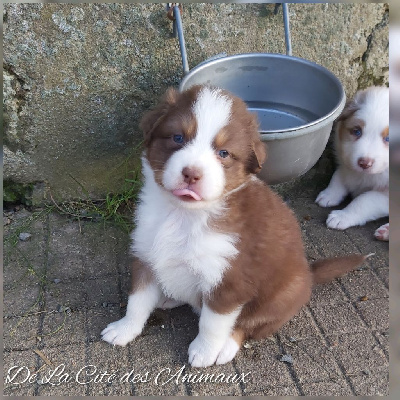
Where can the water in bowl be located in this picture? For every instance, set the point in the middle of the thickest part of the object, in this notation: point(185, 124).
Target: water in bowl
point(274, 117)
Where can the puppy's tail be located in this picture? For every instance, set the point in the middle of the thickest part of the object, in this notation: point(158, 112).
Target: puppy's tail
point(330, 268)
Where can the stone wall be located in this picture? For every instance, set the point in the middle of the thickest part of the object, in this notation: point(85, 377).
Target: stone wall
point(77, 78)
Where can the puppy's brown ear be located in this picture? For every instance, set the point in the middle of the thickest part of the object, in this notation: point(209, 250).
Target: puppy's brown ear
point(353, 105)
point(350, 108)
point(153, 118)
point(258, 152)
point(257, 157)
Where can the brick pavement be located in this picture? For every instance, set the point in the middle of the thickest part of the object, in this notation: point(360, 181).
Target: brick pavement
point(70, 279)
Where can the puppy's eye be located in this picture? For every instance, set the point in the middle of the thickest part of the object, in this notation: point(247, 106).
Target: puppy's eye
point(223, 153)
point(357, 132)
point(386, 139)
point(178, 139)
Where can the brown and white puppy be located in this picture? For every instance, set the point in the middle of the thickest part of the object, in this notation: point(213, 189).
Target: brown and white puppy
point(362, 150)
point(209, 233)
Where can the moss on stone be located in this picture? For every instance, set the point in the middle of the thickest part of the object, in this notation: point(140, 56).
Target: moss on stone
point(17, 193)
point(368, 78)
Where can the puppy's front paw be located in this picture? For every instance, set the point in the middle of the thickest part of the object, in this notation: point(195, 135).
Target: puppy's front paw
point(327, 198)
point(202, 353)
point(339, 219)
point(120, 332)
point(382, 233)
point(228, 352)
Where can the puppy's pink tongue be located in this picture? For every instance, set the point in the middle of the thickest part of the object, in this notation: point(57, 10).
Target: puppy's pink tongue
point(186, 192)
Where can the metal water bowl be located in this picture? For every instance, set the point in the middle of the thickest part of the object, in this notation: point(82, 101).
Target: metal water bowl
point(296, 102)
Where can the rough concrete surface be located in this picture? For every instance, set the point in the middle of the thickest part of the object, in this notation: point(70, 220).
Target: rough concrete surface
point(78, 77)
point(65, 283)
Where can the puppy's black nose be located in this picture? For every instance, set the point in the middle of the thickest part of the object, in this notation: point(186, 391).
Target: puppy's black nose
point(191, 175)
point(365, 162)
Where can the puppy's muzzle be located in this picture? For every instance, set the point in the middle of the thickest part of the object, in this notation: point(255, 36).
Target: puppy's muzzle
point(365, 162)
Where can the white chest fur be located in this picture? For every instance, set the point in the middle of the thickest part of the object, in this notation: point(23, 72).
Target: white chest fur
point(187, 257)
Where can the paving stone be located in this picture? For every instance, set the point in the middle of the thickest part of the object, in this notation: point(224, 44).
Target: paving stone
point(36, 226)
point(184, 325)
point(83, 293)
point(17, 383)
point(98, 318)
point(66, 362)
point(308, 211)
point(24, 261)
point(363, 237)
point(67, 265)
point(267, 373)
point(363, 283)
point(311, 251)
point(383, 339)
point(313, 361)
point(383, 275)
point(161, 353)
point(24, 267)
point(375, 385)
point(337, 318)
point(20, 333)
point(357, 352)
point(162, 363)
point(300, 326)
point(329, 242)
point(22, 299)
point(63, 328)
point(329, 293)
point(289, 390)
point(227, 381)
point(340, 388)
point(158, 381)
point(86, 250)
point(375, 313)
point(109, 364)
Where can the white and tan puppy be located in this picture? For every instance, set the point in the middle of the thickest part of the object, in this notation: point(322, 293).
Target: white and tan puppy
point(210, 234)
point(362, 150)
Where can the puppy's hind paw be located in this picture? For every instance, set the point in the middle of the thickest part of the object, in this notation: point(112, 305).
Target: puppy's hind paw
point(120, 332)
point(382, 233)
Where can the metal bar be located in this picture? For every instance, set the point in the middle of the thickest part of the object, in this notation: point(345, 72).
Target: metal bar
point(179, 27)
point(287, 29)
point(174, 33)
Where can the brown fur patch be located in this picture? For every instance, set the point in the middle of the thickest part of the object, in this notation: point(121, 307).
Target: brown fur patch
point(242, 140)
point(350, 108)
point(238, 336)
point(326, 270)
point(141, 275)
point(385, 133)
point(160, 125)
point(271, 282)
point(347, 126)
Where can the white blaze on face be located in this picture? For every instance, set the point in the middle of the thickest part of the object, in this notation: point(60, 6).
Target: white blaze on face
point(212, 111)
point(375, 113)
